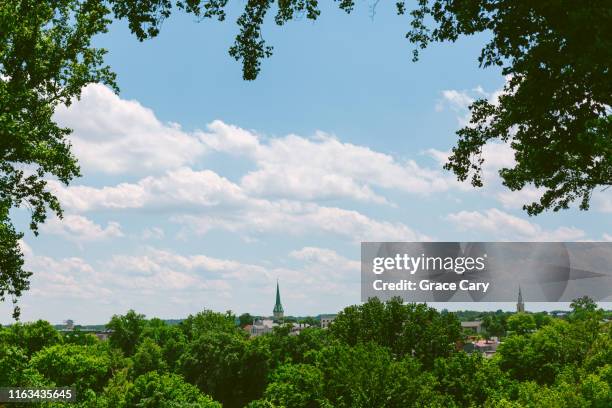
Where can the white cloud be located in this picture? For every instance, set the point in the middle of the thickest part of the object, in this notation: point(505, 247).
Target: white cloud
point(603, 201)
point(70, 277)
point(227, 206)
point(516, 199)
point(152, 233)
point(176, 189)
point(78, 228)
point(458, 102)
point(82, 198)
point(321, 167)
point(327, 264)
point(505, 226)
point(298, 219)
point(168, 277)
point(114, 135)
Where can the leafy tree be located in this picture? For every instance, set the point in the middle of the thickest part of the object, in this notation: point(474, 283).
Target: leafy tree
point(542, 355)
point(154, 390)
point(81, 338)
point(584, 309)
point(223, 365)
point(470, 379)
point(297, 385)
point(494, 324)
point(411, 329)
point(287, 348)
point(85, 367)
point(31, 337)
point(555, 107)
point(13, 278)
point(596, 390)
point(207, 321)
point(171, 339)
point(126, 331)
point(541, 319)
point(14, 368)
point(521, 323)
point(245, 319)
point(148, 357)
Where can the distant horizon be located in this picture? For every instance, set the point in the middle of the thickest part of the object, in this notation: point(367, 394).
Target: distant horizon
point(607, 306)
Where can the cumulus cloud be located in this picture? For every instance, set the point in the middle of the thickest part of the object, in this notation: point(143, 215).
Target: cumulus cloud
point(321, 167)
point(78, 228)
point(603, 201)
point(117, 136)
point(114, 135)
point(504, 226)
point(226, 205)
point(516, 199)
point(296, 218)
point(458, 102)
point(64, 278)
point(177, 189)
point(327, 264)
point(162, 274)
point(152, 233)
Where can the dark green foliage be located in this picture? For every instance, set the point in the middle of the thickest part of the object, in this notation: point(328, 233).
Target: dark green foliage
point(245, 319)
point(126, 331)
point(297, 385)
point(148, 357)
point(362, 376)
point(30, 337)
point(217, 361)
point(207, 321)
point(410, 329)
point(80, 338)
point(85, 367)
point(521, 323)
point(559, 364)
point(154, 390)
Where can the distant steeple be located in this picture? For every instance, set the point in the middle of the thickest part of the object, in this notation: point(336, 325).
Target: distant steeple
point(278, 311)
point(520, 305)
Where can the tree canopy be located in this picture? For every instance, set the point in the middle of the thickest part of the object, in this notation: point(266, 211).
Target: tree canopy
point(557, 365)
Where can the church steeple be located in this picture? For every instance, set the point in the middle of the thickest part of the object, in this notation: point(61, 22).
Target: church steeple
point(278, 311)
point(520, 305)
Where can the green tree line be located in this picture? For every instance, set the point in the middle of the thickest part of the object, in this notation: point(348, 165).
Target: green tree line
point(378, 354)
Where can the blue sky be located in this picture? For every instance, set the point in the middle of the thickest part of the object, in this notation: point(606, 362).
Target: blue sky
point(199, 189)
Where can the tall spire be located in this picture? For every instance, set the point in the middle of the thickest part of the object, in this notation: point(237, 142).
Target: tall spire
point(520, 305)
point(278, 307)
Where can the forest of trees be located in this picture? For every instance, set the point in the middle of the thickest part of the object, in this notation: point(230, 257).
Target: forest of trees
point(373, 355)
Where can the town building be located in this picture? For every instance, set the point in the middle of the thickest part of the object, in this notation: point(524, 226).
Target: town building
point(326, 320)
point(262, 326)
point(474, 326)
point(487, 347)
